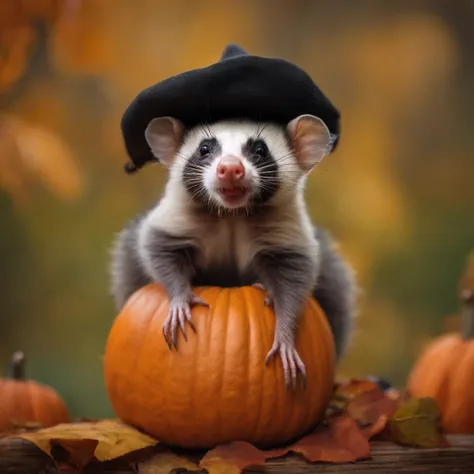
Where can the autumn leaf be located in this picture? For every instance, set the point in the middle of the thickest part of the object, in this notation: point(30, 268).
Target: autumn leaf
point(103, 440)
point(48, 157)
point(348, 389)
point(340, 441)
point(28, 153)
point(368, 407)
point(232, 458)
point(416, 423)
point(365, 403)
point(165, 462)
point(351, 388)
point(375, 428)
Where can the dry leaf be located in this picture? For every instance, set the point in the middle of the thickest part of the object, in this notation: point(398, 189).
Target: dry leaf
point(416, 423)
point(29, 153)
point(47, 156)
point(164, 463)
point(347, 390)
point(80, 451)
point(340, 441)
point(374, 429)
point(232, 458)
point(104, 440)
point(368, 407)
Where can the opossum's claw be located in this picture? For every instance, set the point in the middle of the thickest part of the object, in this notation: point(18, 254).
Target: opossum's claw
point(180, 315)
point(291, 361)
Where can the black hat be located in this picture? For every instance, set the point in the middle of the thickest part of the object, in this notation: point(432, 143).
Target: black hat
point(240, 85)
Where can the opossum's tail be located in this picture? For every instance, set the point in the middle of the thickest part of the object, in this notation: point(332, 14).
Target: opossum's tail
point(336, 292)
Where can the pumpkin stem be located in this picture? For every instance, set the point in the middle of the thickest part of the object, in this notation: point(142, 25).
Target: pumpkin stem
point(467, 298)
point(17, 367)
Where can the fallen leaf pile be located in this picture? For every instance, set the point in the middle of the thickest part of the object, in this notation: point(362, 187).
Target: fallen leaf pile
point(359, 411)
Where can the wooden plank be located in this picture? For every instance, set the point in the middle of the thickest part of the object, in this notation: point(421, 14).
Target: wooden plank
point(22, 457)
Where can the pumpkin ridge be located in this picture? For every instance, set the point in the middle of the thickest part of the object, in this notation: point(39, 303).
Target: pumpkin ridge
point(157, 311)
point(457, 399)
point(322, 331)
point(207, 329)
point(222, 293)
point(32, 396)
point(192, 388)
point(51, 407)
point(276, 362)
point(26, 401)
point(258, 322)
point(247, 344)
point(142, 343)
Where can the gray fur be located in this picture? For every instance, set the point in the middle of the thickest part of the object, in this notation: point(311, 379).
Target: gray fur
point(287, 274)
point(335, 291)
point(172, 262)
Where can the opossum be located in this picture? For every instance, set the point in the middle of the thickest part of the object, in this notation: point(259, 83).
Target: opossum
point(233, 214)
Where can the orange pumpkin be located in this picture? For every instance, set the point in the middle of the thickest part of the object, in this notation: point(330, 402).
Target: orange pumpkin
point(26, 401)
point(445, 369)
point(215, 388)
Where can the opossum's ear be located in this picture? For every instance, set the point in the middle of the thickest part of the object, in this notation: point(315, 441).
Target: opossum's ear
point(164, 136)
point(311, 140)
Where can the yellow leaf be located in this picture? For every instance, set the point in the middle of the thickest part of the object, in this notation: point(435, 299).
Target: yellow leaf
point(45, 155)
point(220, 466)
point(104, 440)
point(166, 462)
point(416, 423)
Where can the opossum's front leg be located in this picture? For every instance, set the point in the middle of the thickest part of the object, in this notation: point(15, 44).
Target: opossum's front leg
point(268, 299)
point(287, 275)
point(169, 260)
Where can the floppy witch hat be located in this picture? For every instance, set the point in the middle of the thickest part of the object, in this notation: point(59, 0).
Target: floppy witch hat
point(238, 86)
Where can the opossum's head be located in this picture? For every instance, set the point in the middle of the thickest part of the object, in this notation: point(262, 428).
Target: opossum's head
point(236, 165)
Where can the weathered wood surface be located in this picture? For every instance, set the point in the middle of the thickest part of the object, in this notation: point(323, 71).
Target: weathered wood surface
point(22, 457)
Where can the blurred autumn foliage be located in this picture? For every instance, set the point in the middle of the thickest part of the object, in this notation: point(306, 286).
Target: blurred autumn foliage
point(398, 194)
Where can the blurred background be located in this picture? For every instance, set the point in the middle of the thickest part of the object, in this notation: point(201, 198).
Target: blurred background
point(398, 194)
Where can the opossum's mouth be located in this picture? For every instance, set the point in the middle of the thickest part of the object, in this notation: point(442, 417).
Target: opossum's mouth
point(234, 196)
point(233, 191)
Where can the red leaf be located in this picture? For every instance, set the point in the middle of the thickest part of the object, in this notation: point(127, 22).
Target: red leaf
point(340, 441)
point(376, 428)
point(232, 458)
point(80, 451)
point(349, 389)
point(368, 407)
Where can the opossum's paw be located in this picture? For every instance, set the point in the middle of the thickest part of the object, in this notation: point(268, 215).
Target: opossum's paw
point(292, 363)
point(268, 298)
point(180, 314)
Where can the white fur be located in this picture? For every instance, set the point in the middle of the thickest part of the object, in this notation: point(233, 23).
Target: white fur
point(232, 135)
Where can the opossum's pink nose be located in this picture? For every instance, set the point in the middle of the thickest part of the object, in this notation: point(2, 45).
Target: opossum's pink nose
point(230, 169)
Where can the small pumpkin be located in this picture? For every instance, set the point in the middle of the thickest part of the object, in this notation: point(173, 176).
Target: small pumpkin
point(215, 388)
point(445, 369)
point(25, 401)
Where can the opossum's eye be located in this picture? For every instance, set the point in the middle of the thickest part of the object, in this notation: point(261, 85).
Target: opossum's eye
point(261, 150)
point(204, 150)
